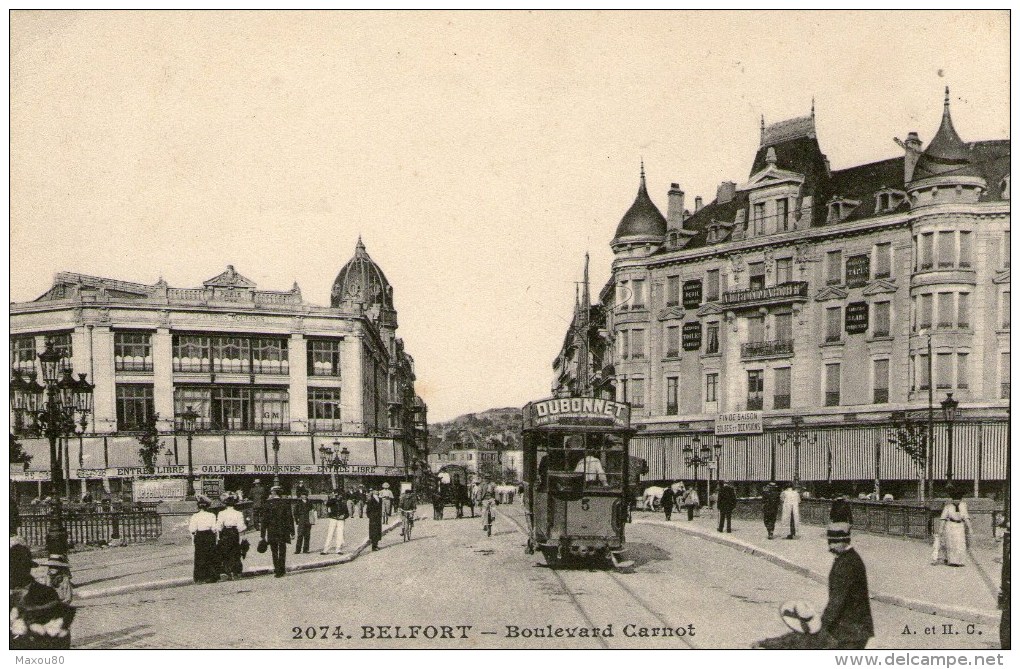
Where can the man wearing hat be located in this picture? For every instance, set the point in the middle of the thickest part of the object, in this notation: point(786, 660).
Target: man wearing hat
point(770, 507)
point(278, 528)
point(258, 496)
point(386, 495)
point(203, 527)
point(847, 616)
point(39, 619)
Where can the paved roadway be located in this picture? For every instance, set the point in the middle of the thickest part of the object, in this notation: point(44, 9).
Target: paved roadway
point(454, 581)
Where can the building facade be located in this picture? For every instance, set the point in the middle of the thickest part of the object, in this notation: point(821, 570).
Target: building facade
point(259, 368)
point(806, 318)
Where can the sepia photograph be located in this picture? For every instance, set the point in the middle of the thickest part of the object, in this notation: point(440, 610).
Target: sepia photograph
point(510, 330)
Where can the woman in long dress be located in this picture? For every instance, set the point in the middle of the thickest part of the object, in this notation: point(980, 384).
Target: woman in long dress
point(230, 525)
point(203, 528)
point(952, 539)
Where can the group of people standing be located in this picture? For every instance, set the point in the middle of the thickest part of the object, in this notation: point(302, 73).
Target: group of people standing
point(217, 538)
point(783, 505)
point(460, 495)
point(678, 496)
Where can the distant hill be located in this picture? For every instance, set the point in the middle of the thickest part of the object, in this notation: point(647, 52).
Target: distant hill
point(498, 429)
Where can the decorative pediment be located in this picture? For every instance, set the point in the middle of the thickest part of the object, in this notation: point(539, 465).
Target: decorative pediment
point(831, 293)
point(671, 313)
point(229, 279)
point(710, 309)
point(879, 287)
point(1001, 277)
point(771, 176)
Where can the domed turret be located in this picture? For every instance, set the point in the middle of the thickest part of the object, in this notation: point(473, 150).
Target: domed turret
point(361, 282)
point(643, 223)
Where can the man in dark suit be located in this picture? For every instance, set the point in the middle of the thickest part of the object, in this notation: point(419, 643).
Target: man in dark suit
point(304, 517)
point(727, 503)
point(847, 616)
point(258, 498)
point(278, 528)
point(770, 507)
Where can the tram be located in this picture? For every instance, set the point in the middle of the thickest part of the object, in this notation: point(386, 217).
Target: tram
point(577, 483)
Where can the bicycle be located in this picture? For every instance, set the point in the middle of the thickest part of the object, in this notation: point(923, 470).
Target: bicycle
point(408, 525)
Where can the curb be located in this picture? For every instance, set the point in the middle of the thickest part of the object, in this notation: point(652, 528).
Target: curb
point(258, 571)
point(959, 612)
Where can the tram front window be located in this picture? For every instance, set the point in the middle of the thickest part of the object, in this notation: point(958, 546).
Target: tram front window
point(599, 458)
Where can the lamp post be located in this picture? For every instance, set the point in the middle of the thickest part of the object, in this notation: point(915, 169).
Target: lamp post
point(797, 436)
point(334, 459)
point(66, 398)
point(189, 420)
point(276, 459)
point(949, 406)
point(703, 457)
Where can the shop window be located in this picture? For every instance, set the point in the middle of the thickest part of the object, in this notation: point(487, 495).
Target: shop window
point(132, 351)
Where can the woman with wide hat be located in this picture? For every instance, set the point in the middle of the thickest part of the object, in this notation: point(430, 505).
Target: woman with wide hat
point(230, 525)
point(203, 526)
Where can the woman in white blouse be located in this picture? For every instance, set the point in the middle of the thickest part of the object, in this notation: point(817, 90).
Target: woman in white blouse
point(203, 527)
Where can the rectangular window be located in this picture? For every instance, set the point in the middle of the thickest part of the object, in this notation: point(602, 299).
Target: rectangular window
point(272, 408)
point(832, 384)
point(947, 249)
point(756, 328)
point(946, 310)
point(963, 310)
point(638, 286)
point(759, 218)
point(881, 369)
point(711, 387)
point(833, 324)
point(882, 311)
point(623, 295)
point(883, 261)
point(1005, 310)
point(926, 308)
point(784, 270)
point(755, 390)
point(756, 271)
point(324, 357)
point(965, 249)
point(62, 345)
point(1004, 375)
point(781, 399)
point(231, 355)
point(191, 353)
point(784, 327)
point(231, 408)
point(927, 250)
point(783, 214)
point(23, 354)
point(135, 406)
point(269, 356)
point(923, 371)
point(712, 285)
point(625, 344)
point(132, 351)
point(834, 268)
point(637, 393)
point(712, 338)
point(671, 395)
point(324, 408)
point(672, 291)
point(961, 371)
point(624, 397)
point(943, 370)
point(673, 341)
point(637, 344)
point(196, 399)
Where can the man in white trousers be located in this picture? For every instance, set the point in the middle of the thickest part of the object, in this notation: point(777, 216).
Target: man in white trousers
point(790, 518)
point(336, 514)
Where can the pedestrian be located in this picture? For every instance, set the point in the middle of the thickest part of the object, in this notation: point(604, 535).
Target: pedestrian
point(258, 498)
point(373, 507)
point(278, 528)
point(360, 500)
point(304, 518)
point(790, 499)
point(301, 489)
point(459, 492)
point(39, 619)
point(352, 502)
point(230, 525)
point(847, 616)
point(437, 503)
point(727, 503)
point(691, 501)
point(386, 495)
point(667, 502)
point(952, 539)
point(203, 527)
point(336, 514)
point(841, 511)
point(770, 507)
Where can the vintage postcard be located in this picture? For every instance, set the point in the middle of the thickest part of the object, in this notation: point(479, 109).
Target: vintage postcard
point(511, 330)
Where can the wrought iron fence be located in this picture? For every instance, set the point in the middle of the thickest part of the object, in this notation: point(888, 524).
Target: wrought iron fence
point(95, 527)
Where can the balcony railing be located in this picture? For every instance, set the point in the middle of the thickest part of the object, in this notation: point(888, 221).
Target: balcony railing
point(766, 349)
point(792, 290)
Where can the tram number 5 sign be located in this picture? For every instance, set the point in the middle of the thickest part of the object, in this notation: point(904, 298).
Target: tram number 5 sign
point(585, 504)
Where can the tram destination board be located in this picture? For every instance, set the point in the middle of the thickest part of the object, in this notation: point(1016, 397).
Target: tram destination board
point(577, 411)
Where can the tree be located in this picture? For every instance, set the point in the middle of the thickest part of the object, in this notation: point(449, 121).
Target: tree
point(911, 437)
point(18, 454)
point(149, 442)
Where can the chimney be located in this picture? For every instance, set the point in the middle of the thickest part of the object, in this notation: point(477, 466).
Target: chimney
point(697, 204)
point(912, 151)
point(675, 209)
point(727, 191)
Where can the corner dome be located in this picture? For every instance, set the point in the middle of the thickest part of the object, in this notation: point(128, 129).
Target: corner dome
point(643, 222)
point(361, 281)
point(947, 153)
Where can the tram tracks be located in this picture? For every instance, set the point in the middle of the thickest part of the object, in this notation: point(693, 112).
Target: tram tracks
point(575, 582)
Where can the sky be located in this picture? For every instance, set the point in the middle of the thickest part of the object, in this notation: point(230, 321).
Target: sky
point(478, 155)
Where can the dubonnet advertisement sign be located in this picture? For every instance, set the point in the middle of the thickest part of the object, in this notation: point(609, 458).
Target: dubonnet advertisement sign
point(577, 411)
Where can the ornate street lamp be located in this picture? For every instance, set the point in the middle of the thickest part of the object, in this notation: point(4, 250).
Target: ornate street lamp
point(949, 406)
point(276, 459)
point(797, 436)
point(334, 459)
point(189, 423)
point(702, 459)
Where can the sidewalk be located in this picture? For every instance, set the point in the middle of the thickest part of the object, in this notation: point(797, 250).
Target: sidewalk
point(899, 570)
point(170, 563)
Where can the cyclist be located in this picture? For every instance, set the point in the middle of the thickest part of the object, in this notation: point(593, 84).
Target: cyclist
point(408, 505)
